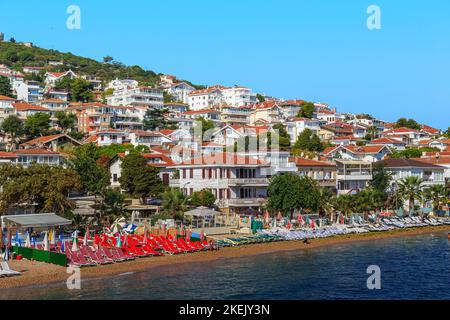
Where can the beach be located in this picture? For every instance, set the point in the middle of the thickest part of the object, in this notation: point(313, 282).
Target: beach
point(39, 273)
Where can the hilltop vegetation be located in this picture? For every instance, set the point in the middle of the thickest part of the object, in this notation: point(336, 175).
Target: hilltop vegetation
point(18, 56)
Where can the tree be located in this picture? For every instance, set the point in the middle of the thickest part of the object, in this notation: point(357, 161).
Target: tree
point(412, 152)
point(308, 141)
point(112, 205)
point(407, 123)
point(260, 98)
point(37, 124)
point(5, 87)
point(154, 119)
point(288, 192)
point(138, 179)
point(66, 120)
point(94, 177)
point(81, 90)
point(307, 110)
point(107, 59)
point(437, 195)
point(46, 186)
point(12, 40)
point(372, 133)
point(203, 198)
point(410, 188)
point(12, 126)
point(174, 203)
point(447, 133)
point(380, 178)
point(207, 126)
point(168, 97)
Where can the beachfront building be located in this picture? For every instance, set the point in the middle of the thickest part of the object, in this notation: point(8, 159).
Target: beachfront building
point(323, 172)
point(352, 175)
point(430, 173)
point(137, 96)
point(238, 182)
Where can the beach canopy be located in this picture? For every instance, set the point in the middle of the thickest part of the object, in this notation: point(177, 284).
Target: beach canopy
point(36, 220)
point(201, 212)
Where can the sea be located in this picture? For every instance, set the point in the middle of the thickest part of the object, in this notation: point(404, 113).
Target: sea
point(413, 267)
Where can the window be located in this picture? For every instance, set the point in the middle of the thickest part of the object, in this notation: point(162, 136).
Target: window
point(191, 173)
point(115, 177)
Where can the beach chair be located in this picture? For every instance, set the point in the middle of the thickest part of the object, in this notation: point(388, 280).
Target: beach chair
point(82, 260)
point(7, 271)
point(107, 253)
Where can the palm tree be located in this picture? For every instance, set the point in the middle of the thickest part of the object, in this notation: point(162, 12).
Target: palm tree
point(410, 188)
point(345, 204)
point(436, 194)
point(326, 202)
point(174, 202)
point(372, 131)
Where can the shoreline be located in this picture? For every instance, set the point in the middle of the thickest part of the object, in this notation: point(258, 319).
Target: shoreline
point(39, 273)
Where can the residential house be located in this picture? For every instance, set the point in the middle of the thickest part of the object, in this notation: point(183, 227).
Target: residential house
point(29, 91)
point(295, 126)
point(148, 138)
point(237, 182)
point(180, 91)
point(393, 144)
point(137, 96)
point(323, 172)
point(51, 78)
point(268, 111)
point(52, 142)
point(369, 153)
point(352, 175)
point(205, 98)
point(238, 96)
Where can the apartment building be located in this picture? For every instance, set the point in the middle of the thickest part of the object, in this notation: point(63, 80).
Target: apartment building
point(137, 96)
point(352, 176)
point(238, 96)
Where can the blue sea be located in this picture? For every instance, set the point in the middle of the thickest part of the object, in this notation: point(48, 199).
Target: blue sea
point(410, 268)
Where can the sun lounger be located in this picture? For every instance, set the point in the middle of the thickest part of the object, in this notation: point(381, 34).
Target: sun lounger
point(7, 271)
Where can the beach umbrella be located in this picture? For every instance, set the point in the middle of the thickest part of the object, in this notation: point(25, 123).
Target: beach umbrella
point(75, 241)
point(320, 223)
point(27, 241)
point(342, 219)
point(145, 235)
point(33, 241)
point(163, 227)
point(88, 234)
point(118, 225)
point(85, 239)
point(289, 225)
point(46, 244)
point(312, 224)
point(125, 240)
point(63, 246)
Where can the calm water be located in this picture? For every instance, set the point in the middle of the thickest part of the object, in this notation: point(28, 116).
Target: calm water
point(411, 268)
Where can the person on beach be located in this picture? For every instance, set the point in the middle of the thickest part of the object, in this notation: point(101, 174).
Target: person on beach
point(306, 241)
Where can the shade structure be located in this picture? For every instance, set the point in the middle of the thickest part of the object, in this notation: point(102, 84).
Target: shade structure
point(202, 212)
point(36, 220)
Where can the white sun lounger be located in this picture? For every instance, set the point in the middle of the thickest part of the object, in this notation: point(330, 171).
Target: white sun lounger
point(6, 270)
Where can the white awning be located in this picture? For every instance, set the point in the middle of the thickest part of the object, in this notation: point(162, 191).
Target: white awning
point(36, 220)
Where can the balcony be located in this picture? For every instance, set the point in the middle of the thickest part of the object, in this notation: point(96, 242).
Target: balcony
point(250, 202)
point(354, 176)
point(256, 182)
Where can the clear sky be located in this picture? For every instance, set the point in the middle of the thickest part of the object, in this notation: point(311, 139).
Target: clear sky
point(306, 49)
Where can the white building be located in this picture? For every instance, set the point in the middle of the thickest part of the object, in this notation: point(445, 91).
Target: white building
point(51, 78)
point(352, 176)
point(296, 126)
point(238, 96)
point(180, 91)
point(137, 96)
point(6, 102)
point(205, 98)
point(28, 91)
point(122, 84)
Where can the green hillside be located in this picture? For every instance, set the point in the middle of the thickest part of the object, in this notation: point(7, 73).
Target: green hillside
point(17, 56)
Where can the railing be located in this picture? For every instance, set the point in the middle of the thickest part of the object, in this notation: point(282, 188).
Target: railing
point(248, 201)
point(248, 181)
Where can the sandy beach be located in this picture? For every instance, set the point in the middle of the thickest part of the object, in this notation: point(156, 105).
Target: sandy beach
point(39, 273)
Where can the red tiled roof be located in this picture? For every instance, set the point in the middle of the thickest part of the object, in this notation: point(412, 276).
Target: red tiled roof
point(201, 111)
point(4, 154)
point(430, 129)
point(5, 98)
point(303, 162)
point(26, 106)
point(167, 132)
point(437, 161)
point(406, 163)
point(399, 130)
point(166, 161)
point(386, 140)
point(357, 149)
point(35, 151)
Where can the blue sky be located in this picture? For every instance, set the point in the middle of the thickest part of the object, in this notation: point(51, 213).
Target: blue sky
point(314, 50)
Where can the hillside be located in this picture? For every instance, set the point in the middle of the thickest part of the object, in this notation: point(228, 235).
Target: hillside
point(17, 56)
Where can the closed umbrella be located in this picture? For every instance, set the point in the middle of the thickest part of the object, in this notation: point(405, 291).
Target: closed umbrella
point(85, 239)
point(75, 241)
point(27, 241)
point(342, 219)
point(118, 241)
point(279, 216)
point(53, 240)
point(18, 239)
point(202, 235)
point(46, 245)
point(6, 254)
point(266, 217)
point(63, 246)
